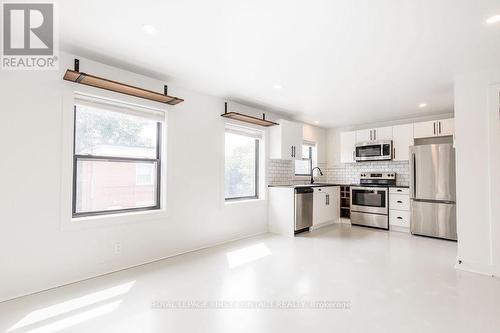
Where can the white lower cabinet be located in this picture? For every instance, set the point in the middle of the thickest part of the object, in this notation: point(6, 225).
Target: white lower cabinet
point(399, 209)
point(399, 201)
point(326, 205)
point(399, 218)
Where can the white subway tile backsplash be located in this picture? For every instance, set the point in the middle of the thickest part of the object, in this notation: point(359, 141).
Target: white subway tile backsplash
point(349, 173)
point(283, 172)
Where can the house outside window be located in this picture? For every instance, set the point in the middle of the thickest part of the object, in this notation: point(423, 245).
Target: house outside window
point(242, 163)
point(116, 160)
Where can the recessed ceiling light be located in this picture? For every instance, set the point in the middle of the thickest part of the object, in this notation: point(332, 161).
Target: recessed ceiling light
point(316, 122)
point(277, 86)
point(493, 19)
point(422, 105)
point(149, 29)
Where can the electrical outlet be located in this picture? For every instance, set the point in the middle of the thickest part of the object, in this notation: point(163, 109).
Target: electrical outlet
point(117, 248)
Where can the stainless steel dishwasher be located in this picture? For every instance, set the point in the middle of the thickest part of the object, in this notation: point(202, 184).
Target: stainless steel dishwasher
point(303, 208)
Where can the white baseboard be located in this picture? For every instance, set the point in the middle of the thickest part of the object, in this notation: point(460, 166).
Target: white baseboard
point(487, 270)
point(133, 266)
point(322, 225)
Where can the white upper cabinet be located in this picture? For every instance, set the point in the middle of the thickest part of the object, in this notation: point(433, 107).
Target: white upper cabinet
point(446, 127)
point(428, 129)
point(363, 135)
point(402, 139)
point(424, 129)
point(347, 146)
point(286, 140)
point(374, 134)
point(382, 133)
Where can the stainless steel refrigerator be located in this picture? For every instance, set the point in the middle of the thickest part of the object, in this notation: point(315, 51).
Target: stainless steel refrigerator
point(432, 191)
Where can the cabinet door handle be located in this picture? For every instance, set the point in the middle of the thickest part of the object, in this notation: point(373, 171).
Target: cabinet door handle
point(399, 201)
point(399, 190)
point(394, 152)
point(439, 125)
point(291, 154)
point(374, 134)
point(399, 218)
point(327, 197)
point(434, 128)
point(371, 135)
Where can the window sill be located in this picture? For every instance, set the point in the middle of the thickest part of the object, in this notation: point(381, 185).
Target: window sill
point(84, 222)
point(241, 201)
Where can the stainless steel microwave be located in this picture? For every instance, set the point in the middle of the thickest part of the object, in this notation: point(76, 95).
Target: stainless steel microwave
point(374, 151)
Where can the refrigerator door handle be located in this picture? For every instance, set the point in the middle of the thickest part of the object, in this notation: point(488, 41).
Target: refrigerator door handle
point(413, 183)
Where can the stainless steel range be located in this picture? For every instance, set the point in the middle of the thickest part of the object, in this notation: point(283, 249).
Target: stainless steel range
point(370, 200)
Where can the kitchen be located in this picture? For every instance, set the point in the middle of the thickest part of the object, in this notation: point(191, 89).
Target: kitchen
point(391, 165)
point(232, 166)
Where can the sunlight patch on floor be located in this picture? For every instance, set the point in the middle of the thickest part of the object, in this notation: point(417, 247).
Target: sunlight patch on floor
point(247, 254)
point(77, 318)
point(72, 305)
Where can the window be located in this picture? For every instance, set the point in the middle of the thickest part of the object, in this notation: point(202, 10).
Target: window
point(241, 163)
point(116, 161)
point(309, 160)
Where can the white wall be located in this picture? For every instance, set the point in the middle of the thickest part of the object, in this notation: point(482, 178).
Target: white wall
point(477, 144)
point(36, 253)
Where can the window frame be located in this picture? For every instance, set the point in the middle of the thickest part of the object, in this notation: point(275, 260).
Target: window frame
point(89, 157)
point(257, 175)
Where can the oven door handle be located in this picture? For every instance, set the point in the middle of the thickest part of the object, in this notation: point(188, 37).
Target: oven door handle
point(373, 189)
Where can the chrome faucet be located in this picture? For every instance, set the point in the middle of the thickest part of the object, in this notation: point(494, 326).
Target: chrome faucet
point(312, 173)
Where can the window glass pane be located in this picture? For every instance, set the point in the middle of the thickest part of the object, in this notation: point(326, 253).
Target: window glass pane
point(314, 155)
point(302, 167)
point(109, 185)
point(240, 166)
point(106, 133)
point(305, 151)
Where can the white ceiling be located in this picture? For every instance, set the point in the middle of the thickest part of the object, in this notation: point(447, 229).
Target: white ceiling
point(340, 62)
